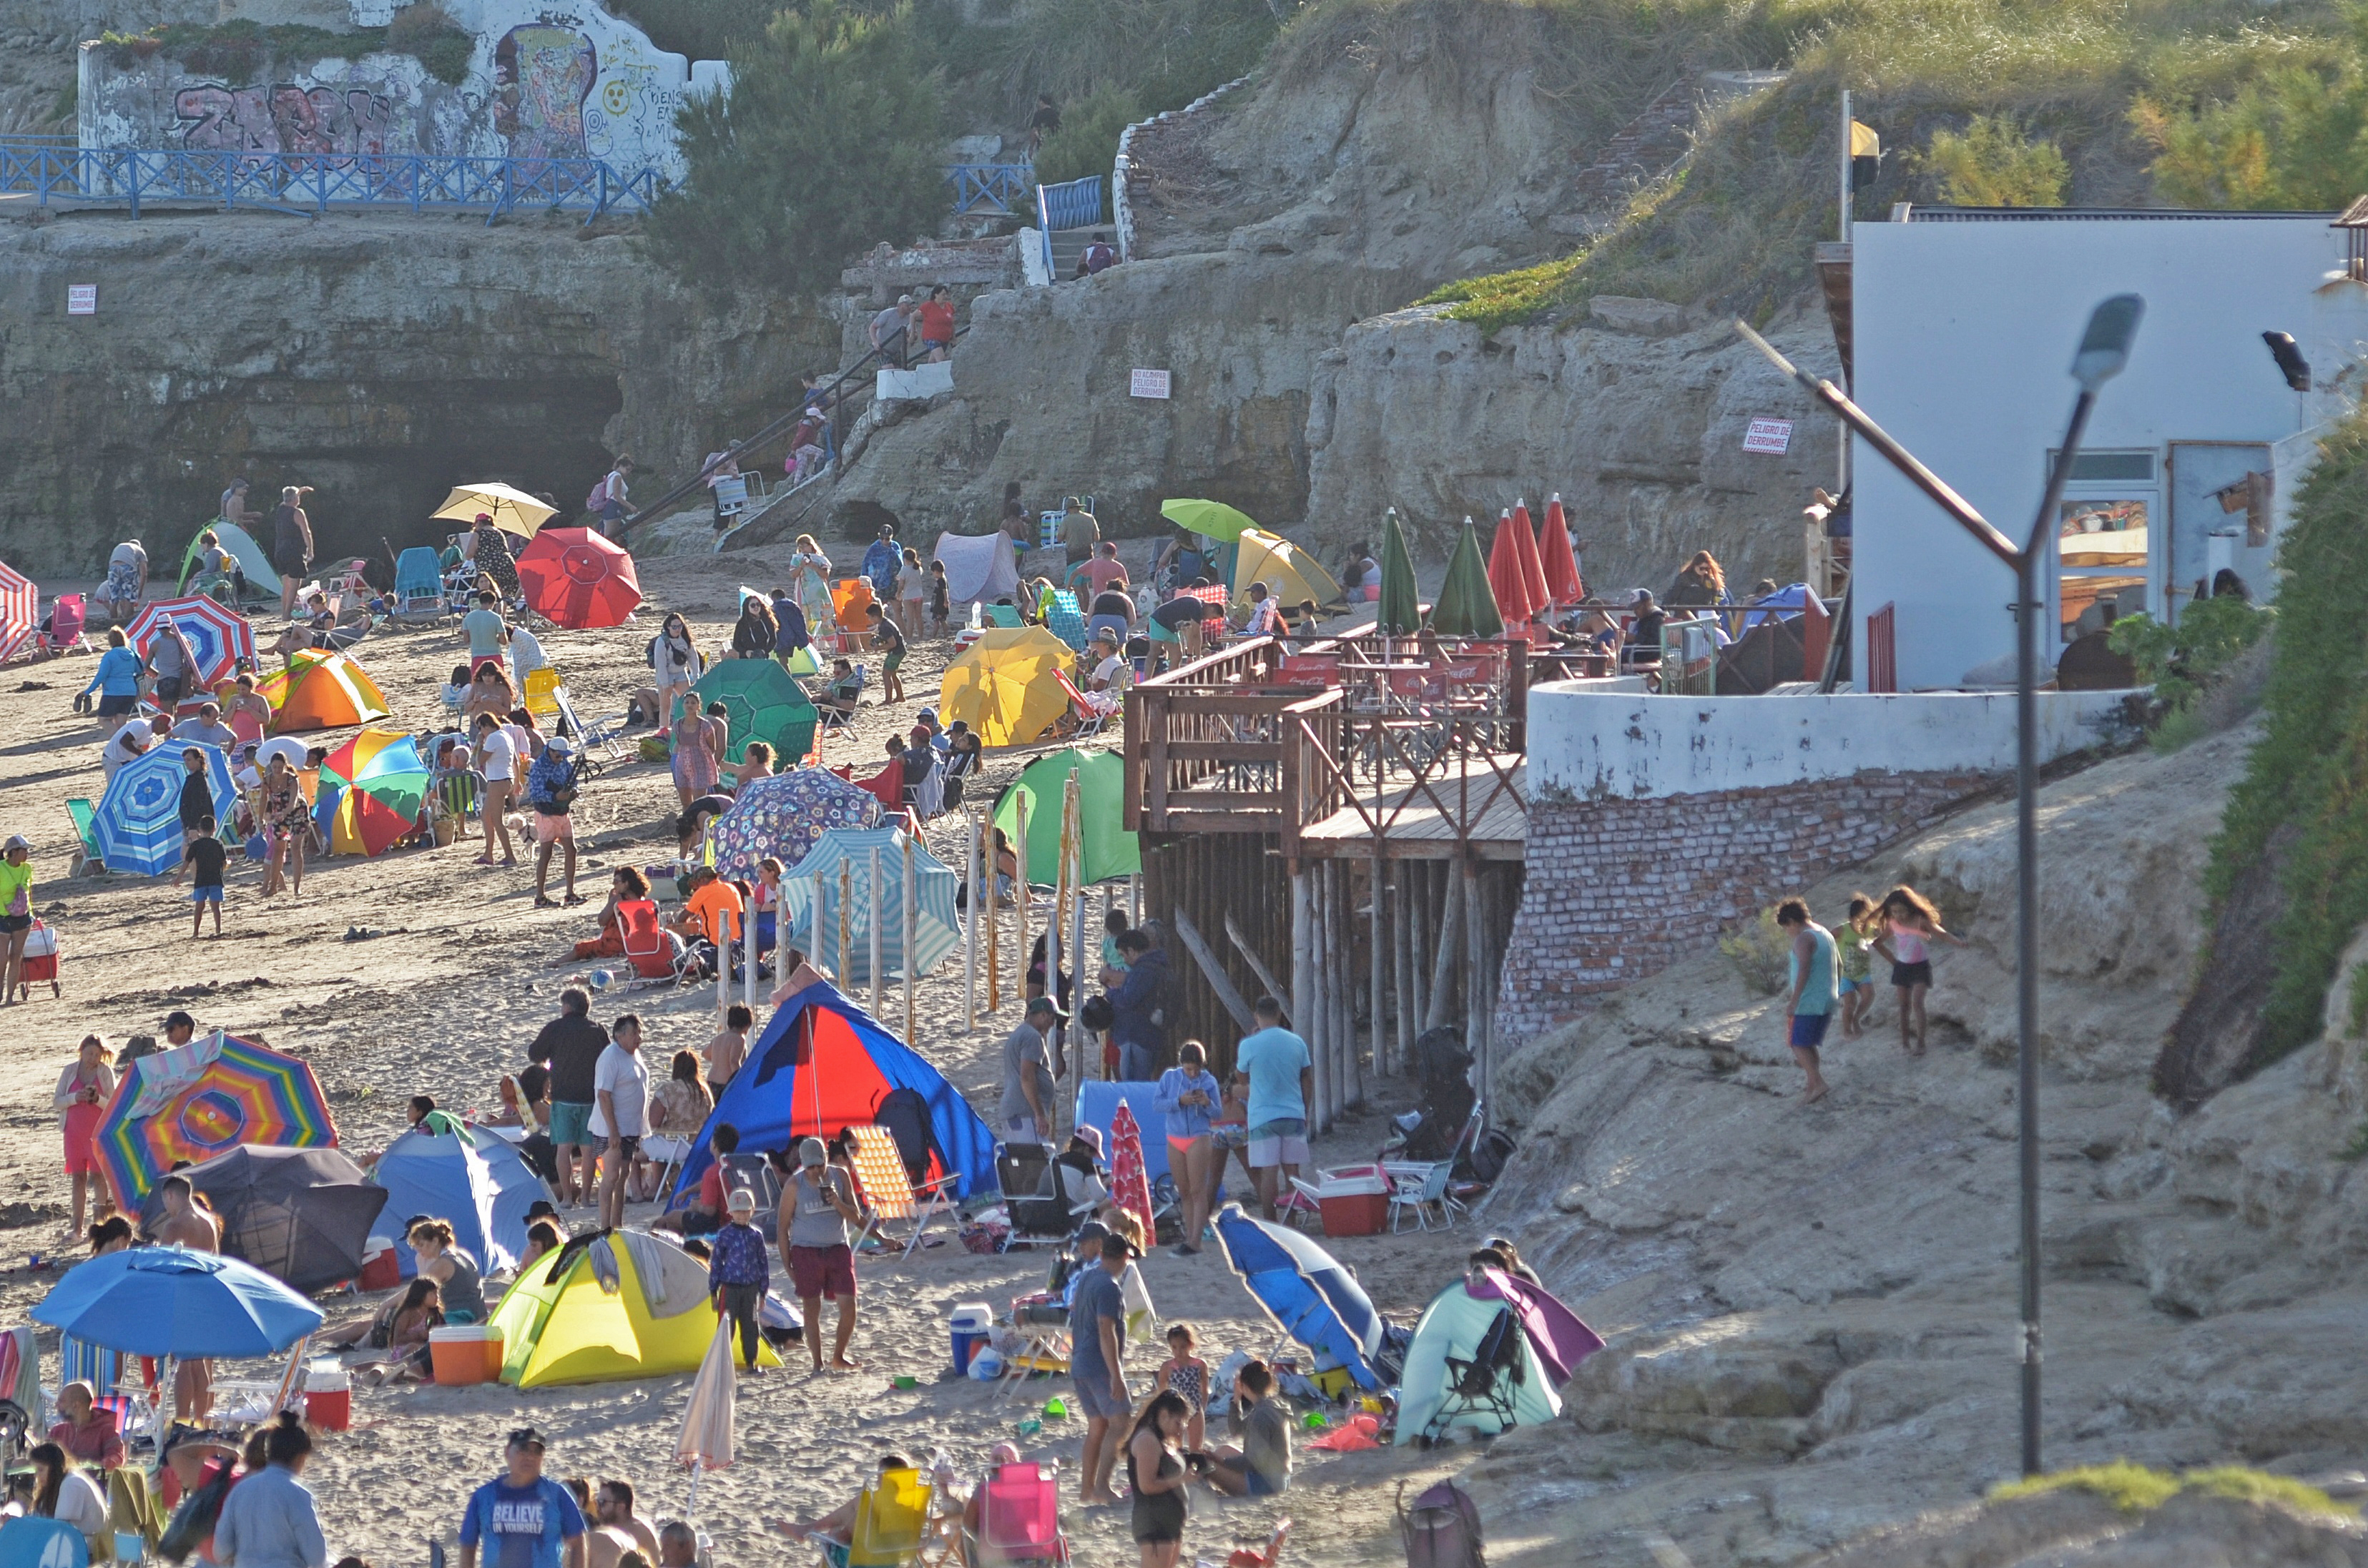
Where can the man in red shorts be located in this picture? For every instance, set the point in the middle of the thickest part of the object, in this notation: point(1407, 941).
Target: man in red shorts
point(817, 1203)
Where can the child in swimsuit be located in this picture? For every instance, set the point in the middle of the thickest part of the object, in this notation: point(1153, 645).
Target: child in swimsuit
point(1855, 974)
point(1186, 1376)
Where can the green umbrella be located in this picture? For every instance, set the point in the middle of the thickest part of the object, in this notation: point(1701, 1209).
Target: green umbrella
point(1399, 612)
point(1466, 607)
point(760, 703)
point(1110, 849)
point(1211, 519)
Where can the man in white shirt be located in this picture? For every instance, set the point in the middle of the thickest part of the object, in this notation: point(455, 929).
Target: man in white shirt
point(526, 653)
point(130, 742)
point(621, 1113)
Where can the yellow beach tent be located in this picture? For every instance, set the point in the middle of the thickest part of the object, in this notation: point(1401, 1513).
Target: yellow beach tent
point(1007, 686)
point(1291, 574)
point(628, 1304)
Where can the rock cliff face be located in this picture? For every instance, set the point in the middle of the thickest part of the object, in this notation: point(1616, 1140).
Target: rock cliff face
point(380, 358)
point(1811, 1311)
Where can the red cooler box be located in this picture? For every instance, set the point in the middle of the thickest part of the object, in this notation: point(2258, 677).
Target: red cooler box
point(1355, 1199)
point(379, 1270)
point(329, 1397)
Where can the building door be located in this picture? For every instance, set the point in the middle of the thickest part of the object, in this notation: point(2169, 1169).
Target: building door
point(2107, 560)
point(2220, 493)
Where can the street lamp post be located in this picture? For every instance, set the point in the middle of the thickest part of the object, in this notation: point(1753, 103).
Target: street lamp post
point(2104, 351)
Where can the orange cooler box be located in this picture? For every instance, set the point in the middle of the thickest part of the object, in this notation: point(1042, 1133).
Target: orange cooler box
point(466, 1353)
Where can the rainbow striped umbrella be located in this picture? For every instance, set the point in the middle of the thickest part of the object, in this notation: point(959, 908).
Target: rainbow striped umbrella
point(219, 637)
point(383, 785)
point(194, 1102)
point(21, 611)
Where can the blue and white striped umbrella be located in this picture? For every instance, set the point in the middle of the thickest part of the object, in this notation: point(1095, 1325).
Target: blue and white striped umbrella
point(138, 823)
point(814, 884)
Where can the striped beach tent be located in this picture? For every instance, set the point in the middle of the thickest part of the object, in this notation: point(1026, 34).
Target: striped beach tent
point(20, 611)
point(814, 884)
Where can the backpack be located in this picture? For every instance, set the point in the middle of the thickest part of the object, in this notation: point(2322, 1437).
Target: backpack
point(1490, 1153)
point(1442, 1529)
point(598, 496)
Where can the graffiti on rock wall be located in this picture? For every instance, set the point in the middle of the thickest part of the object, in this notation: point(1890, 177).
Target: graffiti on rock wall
point(342, 121)
point(543, 76)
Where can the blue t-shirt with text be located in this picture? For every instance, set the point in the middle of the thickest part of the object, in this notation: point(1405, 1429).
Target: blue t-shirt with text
point(520, 1527)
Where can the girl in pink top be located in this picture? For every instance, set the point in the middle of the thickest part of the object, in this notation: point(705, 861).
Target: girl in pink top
point(1910, 925)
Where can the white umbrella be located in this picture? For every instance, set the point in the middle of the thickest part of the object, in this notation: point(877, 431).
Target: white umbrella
point(706, 1441)
point(287, 746)
point(513, 511)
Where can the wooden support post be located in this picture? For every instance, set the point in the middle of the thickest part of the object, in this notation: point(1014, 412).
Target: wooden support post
point(845, 897)
point(1250, 955)
point(1448, 955)
point(1402, 957)
point(1417, 946)
point(1344, 993)
point(1378, 967)
point(980, 898)
point(907, 934)
point(1212, 971)
point(1020, 886)
point(1470, 889)
point(1318, 1026)
point(1302, 965)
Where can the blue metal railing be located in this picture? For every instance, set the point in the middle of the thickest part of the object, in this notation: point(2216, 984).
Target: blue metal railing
point(46, 169)
point(998, 189)
point(1077, 204)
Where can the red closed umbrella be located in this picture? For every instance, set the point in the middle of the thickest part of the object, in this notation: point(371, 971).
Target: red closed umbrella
point(576, 578)
point(1506, 579)
point(1526, 542)
point(1563, 584)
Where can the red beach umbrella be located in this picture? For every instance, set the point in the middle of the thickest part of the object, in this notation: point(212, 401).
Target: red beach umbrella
point(1506, 580)
point(1533, 569)
point(1563, 584)
point(573, 577)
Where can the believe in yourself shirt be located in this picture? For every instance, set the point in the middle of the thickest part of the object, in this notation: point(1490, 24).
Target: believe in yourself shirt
point(520, 1527)
point(1274, 1058)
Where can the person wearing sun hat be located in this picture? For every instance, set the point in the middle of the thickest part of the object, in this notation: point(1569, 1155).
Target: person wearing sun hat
point(550, 790)
point(818, 1205)
point(523, 1516)
point(737, 1274)
point(15, 910)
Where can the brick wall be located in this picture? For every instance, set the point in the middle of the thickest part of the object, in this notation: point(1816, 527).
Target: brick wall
point(1618, 890)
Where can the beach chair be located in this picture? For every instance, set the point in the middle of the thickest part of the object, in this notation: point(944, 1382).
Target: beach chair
point(892, 1518)
point(255, 1401)
point(1019, 1521)
point(543, 694)
point(657, 956)
point(68, 615)
point(889, 1192)
point(755, 1173)
point(418, 594)
point(1090, 721)
point(87, 859)
point(1005, 617)
point(1421, 1188)
point(453, 797)
point(1064, 619)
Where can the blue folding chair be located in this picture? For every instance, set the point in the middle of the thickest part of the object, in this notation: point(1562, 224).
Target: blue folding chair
point(418, 584)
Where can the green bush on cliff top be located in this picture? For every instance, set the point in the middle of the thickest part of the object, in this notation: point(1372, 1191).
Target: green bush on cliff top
point(2134, 1489)
point(241, 52)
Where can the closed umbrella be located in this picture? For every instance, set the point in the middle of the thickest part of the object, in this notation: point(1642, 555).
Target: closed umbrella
point(1399, 610)
point(760, 703)
point(138, 823)
point(1507, 581)
point(1533, 571)
point(1466, 608)
point(1564, 585)
point(1211, 519)
point(513, 511)
point(171, 1301)
point(576, 578)
point(21, 611)
point(1111, 850)
point(1130, 1182)
point(706, 1440)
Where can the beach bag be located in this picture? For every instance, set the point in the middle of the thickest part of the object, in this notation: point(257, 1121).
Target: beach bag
point(194, 1520)
point(598, 496)
point(1490, 1151)
point(1442, 1528)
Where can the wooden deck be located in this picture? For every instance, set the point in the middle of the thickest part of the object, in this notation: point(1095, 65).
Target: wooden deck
point(1479, 807)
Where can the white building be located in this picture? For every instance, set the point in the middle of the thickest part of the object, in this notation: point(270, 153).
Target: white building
point(1964, 324)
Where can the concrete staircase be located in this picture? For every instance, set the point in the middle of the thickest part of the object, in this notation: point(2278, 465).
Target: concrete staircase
point(1068, 244)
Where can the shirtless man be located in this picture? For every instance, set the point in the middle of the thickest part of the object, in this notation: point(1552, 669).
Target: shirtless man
point(186, 1226)
point(617, 1531)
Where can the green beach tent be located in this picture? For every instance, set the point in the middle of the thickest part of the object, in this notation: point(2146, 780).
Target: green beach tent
point(1110, 849)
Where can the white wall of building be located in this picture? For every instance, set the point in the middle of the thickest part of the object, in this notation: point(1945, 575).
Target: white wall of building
point(1588, 742)
point(1964, 333)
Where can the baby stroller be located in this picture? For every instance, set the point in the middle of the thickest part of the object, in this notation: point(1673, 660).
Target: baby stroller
point(40, 961)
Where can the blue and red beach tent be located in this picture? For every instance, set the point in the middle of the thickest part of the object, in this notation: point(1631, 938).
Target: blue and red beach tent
point(824, 1065)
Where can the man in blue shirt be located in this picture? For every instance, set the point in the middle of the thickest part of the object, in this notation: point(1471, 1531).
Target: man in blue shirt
point(1096, 1365)
point(1282, 1081)
point(521, 1519)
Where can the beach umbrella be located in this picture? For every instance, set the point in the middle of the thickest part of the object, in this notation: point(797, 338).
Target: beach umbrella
point(1399, 610)
point(706, 1440)
point(785, 816)
point(1111, 850)
point(322, 690)
point(1291, 574)
point(761, 702)
point(1466, 608)
point(138, 823)
point(1130, 1182)
point(301, 1215)
point(1306, 1290)
point(21, 611)
point(1555, 561)
point(1007, 686)
point(170, 1301)
point(1507, 581)
point(287, 746)
point(219, 637)
point(1526, 541)
point(382, 786)
point(196, 1101)
point(573, 577)
point(814, 884)
point(513, 511)
point(1211, 519)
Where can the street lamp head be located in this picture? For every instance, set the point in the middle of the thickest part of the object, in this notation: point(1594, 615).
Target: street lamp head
point(2105, 347)
point(2291, 364)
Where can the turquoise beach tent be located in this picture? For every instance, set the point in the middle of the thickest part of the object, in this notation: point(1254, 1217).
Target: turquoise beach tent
point(1446, 1385)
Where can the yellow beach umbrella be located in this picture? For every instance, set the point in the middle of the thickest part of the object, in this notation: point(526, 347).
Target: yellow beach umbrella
point(1007, 686)
point(1288, 573)
point(514, 511)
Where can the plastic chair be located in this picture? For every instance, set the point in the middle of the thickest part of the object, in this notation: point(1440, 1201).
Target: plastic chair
point(891, 1518)
point(67, 617)
point(1419, 1188)
point(656, 953)
point(543, 694)
point(1020, 1521)
point(1091, 720)
point(1006, 616)
point(86, 830)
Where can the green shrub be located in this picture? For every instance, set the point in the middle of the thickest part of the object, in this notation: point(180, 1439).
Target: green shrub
point(2182, 662)
point(2310, 769)
point(828, 143)
point(1760, 953)
point(1994, 164)
point(2134, 1489)
point(1086, 143)
point(699, 29)
point(240, 54)
point(2291, 139)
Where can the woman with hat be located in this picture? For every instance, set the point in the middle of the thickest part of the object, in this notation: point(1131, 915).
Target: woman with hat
point(818, 1205)
point(16, 913)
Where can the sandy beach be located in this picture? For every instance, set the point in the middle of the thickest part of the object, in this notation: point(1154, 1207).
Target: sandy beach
point(459, 971)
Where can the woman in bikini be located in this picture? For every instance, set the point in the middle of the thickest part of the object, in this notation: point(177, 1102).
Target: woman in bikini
point(1909, 925)
point(1190, 1097)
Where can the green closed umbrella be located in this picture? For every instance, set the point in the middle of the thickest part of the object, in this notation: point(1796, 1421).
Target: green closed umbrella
point(1110, 849)
point(1399, 612)
point(1211, 519)
point(760, 703)
point(1467, 605)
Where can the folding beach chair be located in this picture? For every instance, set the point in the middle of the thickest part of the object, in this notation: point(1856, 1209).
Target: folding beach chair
point(1489, 1381)
point(1020, 1521)
point(658, 957)
point(887, 1190)
point(541, 695)
point(1004, 616)
point(1421, 1188)
point(1065, 621)
point(418, 594)
point(259, 1400)
point(68, 615)
point(891, 1518)
point(1091, 719)
point(87, 859)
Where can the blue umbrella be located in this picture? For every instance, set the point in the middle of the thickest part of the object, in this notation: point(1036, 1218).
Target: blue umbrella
point(138, 823)
point(1309, 1296)
point(170, 1301)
